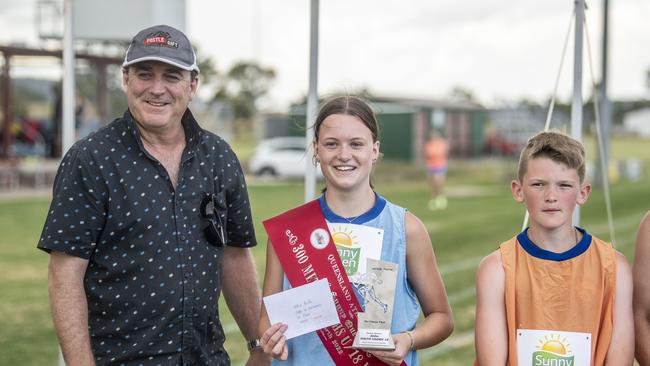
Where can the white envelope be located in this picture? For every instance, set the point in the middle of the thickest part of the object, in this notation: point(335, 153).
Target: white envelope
point(304, 309)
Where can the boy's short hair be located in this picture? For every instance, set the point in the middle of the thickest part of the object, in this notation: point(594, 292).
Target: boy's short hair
point(556, 146)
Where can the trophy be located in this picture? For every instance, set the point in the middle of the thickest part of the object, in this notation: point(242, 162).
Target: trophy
point(377, 289)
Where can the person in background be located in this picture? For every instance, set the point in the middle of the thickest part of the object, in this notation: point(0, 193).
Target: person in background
point(641, 272)
point(436, 159)
point(346, 146)
point(554, 287)
point(149, 222)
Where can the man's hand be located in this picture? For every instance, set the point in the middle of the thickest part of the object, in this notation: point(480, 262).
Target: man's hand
point(258, 358)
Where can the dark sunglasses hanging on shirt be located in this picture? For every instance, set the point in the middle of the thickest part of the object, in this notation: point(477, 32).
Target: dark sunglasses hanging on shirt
point(213, 231)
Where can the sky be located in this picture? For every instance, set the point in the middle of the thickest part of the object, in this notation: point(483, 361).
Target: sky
point(501, 51)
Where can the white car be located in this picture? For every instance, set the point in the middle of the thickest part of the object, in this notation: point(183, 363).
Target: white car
point(281, 157)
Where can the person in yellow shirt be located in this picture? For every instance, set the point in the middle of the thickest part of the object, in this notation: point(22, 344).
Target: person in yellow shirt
point(553, 294)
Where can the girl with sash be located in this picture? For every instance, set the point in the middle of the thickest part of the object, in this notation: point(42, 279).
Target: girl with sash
point(346, 147)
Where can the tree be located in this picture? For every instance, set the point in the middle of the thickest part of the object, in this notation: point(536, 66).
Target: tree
point(207, 66)
point(243, 86)
point(460, 93)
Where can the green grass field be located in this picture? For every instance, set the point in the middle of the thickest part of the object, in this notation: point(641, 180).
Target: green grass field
point(481, 214)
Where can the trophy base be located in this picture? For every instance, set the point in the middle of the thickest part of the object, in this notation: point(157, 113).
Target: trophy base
point(374, 339)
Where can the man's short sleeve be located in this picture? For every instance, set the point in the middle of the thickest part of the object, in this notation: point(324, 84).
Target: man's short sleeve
point(77, 214)
point(240, 229)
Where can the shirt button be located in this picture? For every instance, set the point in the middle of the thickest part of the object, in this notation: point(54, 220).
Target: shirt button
point(188, 275)
point(182, 237)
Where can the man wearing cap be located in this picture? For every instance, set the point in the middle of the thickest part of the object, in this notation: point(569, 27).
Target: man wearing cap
point(149, 221)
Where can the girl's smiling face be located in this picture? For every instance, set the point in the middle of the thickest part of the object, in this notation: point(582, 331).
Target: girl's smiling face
point(346, 151)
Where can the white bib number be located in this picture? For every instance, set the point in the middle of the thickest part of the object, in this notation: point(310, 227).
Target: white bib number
point(553, 348)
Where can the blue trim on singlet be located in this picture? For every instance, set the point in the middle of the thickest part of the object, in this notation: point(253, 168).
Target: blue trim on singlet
point(330, 216)
point(540, 253)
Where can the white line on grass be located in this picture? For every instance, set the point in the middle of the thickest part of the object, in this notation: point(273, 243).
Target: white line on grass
point(462, 265)
point(464, 294)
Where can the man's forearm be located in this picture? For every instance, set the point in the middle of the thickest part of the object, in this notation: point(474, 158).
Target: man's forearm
point(241, 290)
point(70, 313)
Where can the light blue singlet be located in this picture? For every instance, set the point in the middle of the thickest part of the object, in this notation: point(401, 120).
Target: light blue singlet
point(308, 349)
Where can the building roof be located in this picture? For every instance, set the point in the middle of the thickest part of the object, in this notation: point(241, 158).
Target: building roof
point(430, 103)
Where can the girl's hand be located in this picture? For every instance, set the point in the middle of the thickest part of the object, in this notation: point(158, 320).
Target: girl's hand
point(274, 343)
point(396, 356)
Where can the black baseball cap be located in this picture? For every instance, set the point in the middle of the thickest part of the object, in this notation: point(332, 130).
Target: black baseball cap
point(161, 43)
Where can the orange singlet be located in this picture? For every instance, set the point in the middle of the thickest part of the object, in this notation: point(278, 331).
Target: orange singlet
point(559, 292)
point(436, 152)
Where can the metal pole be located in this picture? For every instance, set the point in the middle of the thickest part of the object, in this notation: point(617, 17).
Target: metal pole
point(68, 125)
point(576, 103)
point(605, 103)
point(68, 97)
point(312, 102)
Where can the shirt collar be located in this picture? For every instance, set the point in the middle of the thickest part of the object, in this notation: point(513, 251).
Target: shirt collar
point(193, 132)
point(532, 249)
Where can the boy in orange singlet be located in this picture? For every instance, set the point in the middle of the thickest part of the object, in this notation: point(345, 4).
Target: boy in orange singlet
point(554, 294)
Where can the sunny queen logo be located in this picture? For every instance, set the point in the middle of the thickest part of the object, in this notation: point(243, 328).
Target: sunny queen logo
point(553, 351)
point(348, 247)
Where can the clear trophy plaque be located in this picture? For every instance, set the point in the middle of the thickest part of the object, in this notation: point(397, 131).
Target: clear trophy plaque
point(377, 288)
